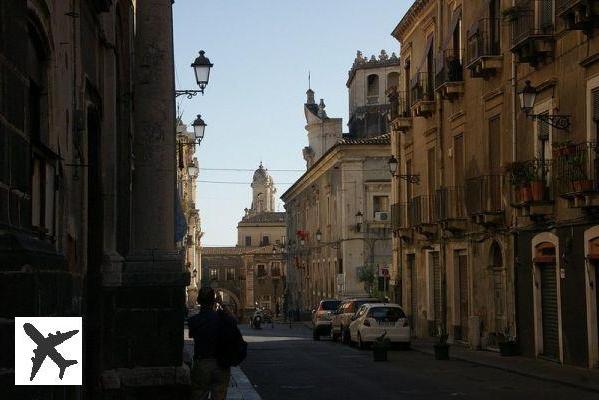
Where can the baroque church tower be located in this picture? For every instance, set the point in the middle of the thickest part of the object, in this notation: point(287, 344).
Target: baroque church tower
point(263, 192)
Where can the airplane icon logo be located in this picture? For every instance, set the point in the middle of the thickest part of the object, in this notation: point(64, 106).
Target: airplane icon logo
point(57, 339)
point(46, 347)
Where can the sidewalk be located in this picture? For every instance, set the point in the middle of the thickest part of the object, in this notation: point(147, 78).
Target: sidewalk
point(582, 378)
point(240, 387)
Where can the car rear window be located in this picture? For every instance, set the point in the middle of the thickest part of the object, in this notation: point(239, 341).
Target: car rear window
point(329, 305)
point(386, 314)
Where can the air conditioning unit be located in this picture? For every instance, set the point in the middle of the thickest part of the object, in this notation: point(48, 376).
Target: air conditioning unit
point(382, 216)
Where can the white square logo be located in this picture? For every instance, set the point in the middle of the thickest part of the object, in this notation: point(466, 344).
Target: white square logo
point(48, 350)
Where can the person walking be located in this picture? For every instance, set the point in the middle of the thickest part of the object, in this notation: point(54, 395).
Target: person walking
point(209, 374)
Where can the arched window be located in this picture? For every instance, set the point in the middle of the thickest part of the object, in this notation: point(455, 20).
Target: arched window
point(372, 88)
point(393, 80)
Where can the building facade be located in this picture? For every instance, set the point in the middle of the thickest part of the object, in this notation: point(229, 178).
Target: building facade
point(338, 219)
point(188, 228)
point(496, 242)
point(87, 189)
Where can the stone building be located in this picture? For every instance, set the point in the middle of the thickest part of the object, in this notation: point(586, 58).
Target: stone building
point(338, 219)
point(223, 269)
point(87, 190)
point(497, 240)
point(188, 229)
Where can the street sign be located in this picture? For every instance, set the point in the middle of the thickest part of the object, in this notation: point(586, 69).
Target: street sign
point(384, 271)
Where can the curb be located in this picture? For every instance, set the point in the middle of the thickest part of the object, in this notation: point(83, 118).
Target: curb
point(241, 388)
point(512, 370)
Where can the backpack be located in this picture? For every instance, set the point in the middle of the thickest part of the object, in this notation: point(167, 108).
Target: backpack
point(231, 348)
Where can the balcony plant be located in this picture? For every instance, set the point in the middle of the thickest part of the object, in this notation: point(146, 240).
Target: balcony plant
point(380, 347)
point(538, 177)
point(580, 181)
point(441, 347)
point(564, 149)
point(520, 177)
point(508, 345)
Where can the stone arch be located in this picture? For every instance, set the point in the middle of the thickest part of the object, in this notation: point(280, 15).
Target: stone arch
point(393, 79)
point(236, 305)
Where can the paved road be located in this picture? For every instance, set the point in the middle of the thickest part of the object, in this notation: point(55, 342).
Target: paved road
point(285, 363)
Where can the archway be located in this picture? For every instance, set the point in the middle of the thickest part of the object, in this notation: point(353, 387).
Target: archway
point(229, 300)
point(591, 239)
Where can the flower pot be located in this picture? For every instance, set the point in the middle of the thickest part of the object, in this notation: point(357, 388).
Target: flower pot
point(441, 351)
point(509, 349)
point(379, 353)
point(583, 185)
point(525, 194)
point(537, 189)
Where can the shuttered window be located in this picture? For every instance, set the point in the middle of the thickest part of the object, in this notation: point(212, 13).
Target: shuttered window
point(595, 104)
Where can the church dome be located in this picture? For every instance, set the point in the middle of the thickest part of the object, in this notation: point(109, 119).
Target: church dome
point(261, 175)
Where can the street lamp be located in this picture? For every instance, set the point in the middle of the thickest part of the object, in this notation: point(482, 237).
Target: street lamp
point(201, 68)
point(393, 164)
point(274, 249)
point(199, 126)
point(528, 95)
point(318, 236)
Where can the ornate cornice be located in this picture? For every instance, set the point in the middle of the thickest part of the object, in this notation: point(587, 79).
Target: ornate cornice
point(409, 18)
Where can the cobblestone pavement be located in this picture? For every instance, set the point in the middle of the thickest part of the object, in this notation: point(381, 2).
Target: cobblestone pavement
point(284, 363)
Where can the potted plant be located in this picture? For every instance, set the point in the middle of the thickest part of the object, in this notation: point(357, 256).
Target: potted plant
point(380, 347)
point(520, 179)
point(508, 345)
point(537, 176)
point(580, 181)
point(510, 13)
point(442, 347)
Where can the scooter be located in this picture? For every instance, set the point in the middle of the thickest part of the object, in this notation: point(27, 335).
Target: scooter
point(257, 319)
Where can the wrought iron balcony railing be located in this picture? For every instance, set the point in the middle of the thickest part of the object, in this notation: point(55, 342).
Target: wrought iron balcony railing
point(483, 40)
point(422, 211)
point(531, 18)
point(399, 103)
point(450, 203)
point(484, 195)
point(421, 88)
point(576, 169)
point(452, 69)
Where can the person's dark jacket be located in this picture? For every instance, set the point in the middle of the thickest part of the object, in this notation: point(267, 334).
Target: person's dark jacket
point(204, 328)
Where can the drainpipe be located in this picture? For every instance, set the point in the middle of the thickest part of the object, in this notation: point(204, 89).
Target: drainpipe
point(515, 258)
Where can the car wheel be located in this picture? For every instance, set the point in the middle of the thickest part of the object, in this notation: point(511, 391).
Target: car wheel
point(315, 335)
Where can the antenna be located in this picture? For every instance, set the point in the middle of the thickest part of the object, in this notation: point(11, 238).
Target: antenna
point(309, 80)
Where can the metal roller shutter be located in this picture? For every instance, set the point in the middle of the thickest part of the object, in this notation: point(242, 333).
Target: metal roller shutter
point(549, 311)
point(437, 296)
point(413, 290)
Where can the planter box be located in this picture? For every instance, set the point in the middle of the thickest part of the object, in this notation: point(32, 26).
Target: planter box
point(441, 351)
point(509, 349)
point(538, 190)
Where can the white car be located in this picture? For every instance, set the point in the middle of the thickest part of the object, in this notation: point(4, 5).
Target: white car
point(374, 319)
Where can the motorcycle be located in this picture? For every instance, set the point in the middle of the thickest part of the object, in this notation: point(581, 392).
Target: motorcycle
point(257, 319)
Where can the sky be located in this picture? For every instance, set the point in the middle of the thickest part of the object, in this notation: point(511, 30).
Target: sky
point(262, 51)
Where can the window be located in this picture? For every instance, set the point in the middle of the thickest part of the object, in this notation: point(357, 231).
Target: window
point(431, 171)
point(458, 160)
point(261, 270)
point(248, 240)
point(380, 204)
point(275, 270)
point(265, 240)
point(372, 88)
point(494, 145)
point(230, 274)
point(213, 273)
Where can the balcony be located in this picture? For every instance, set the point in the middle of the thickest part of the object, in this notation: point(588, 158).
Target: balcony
point(451, 208)
point(422, 214)
point(532, 187)
point(483, 51)
point(576, 169)
point(532, 32)
point(449, 81)
point(579, 15)
point(400, 114)
point(422, 95)
point(399, 221)
point(484, 200)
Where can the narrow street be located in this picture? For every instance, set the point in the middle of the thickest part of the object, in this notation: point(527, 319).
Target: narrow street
point(285, 363)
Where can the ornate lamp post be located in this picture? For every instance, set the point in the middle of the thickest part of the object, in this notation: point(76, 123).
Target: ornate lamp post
point(201, 68)
point(528, 95)
point(393, 164)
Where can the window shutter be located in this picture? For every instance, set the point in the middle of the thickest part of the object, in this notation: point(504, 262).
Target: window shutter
point(595, 104)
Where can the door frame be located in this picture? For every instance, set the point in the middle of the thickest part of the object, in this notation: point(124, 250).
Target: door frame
point(591, 278)
point(536, 286)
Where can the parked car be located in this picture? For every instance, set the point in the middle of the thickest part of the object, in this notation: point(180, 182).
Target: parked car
point(341, 318)
point(321, 317)
point(375, 319)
